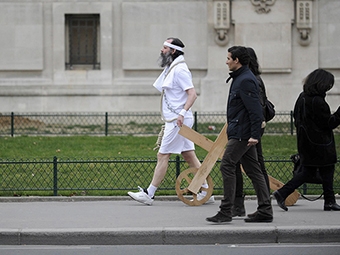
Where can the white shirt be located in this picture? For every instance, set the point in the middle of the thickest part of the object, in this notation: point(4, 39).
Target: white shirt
point(174, 85)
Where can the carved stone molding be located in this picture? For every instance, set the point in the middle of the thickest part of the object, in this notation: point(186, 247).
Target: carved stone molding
point(304, 20)
point(221, 21)
point(262, 6)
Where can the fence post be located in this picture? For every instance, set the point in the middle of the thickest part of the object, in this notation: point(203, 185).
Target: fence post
point(195, 122)
point(291, 123)
point(12, 124)
point(304, 189)
point(106, 123)
point(55, 176)
point(178, 166)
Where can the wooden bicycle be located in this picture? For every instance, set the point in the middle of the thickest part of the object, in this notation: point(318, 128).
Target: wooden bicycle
point(195, 177)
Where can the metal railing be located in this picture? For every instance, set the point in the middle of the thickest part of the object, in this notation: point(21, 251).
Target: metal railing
point(79, 177)
point(105, 124)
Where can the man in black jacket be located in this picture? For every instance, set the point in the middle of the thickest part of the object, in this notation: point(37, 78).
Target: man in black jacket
point(244, 116)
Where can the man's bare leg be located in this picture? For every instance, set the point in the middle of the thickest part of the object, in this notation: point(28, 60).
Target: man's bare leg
point(147, 196)
point(192, 160)
point(161, 169)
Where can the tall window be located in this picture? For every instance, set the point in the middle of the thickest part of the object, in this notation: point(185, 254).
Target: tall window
point(82, 44)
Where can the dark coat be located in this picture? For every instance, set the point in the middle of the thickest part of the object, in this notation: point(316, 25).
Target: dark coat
point(314, 126)
point(262, 95)
point(244, 111)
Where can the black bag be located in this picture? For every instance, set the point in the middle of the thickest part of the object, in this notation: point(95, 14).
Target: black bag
point(316, 179)
point(268, 111)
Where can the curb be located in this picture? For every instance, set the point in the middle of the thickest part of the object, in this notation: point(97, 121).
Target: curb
point(170, 236)
point(298, 229)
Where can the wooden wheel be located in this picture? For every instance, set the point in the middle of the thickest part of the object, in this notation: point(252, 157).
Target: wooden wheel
point(182, 183)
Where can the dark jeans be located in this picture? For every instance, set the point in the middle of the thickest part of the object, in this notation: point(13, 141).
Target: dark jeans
point(238, 151)
point(326, 173)
point(239, 176)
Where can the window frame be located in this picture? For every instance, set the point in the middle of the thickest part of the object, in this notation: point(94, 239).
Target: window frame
point(82, 32)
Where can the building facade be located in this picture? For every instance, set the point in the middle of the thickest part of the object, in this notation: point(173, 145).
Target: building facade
point(101, 55)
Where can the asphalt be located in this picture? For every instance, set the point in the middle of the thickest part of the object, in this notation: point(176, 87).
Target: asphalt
point(122, 221)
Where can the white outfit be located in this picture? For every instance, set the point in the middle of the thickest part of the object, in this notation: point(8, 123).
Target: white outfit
point(174, 85)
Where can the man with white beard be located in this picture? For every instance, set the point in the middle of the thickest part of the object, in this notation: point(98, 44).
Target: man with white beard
point(177, 97)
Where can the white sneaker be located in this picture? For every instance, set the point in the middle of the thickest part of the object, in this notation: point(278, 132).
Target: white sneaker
point(141, 196)
point(200, 196)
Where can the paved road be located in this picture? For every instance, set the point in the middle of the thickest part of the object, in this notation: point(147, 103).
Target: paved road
point(263, 249)
point(116, 221)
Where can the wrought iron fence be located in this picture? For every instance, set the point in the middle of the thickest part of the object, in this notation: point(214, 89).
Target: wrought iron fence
point(79, 177)
point(106, 123)
point(57, 176)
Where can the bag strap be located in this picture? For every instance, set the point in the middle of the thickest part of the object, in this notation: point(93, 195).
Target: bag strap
point(310, 199)
point(162, 95)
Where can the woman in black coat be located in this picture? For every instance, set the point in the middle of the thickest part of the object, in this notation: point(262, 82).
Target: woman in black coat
point(315, 139)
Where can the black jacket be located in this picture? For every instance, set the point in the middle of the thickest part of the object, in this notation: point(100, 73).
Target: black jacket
point(314, 126)
point(244, 111)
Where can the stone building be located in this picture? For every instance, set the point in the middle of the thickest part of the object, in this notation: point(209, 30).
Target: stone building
point(101, 55)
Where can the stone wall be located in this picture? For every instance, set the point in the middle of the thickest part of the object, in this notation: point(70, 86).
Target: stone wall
point(33, 77)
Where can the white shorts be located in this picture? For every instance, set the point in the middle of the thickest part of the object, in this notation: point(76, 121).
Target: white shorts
point(172, 142)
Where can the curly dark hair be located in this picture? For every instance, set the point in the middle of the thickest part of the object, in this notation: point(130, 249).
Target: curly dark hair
point(241, 53)
point(318, 82)
point(253, 63)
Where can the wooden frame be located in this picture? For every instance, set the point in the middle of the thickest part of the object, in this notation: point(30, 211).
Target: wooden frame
point(215, 151)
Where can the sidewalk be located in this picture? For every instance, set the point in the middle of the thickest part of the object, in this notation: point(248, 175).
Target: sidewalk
point(122, 221)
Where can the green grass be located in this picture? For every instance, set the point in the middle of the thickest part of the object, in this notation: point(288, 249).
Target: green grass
point(77, 147)
point(44, 147)
point(89, 147)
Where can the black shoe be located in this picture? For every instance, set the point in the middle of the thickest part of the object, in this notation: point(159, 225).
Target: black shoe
point(259, 218)
point(219, 218)
point(239, 214)
point(331, 207)
point(238, 211)
point(252, 215)
point(280, 200)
